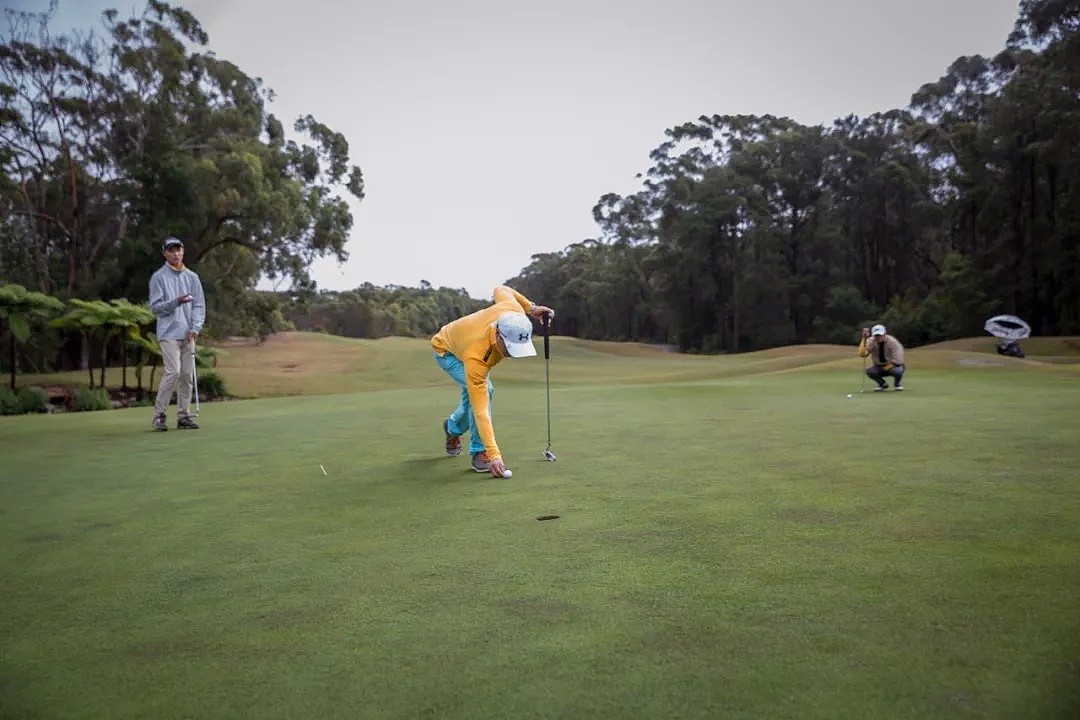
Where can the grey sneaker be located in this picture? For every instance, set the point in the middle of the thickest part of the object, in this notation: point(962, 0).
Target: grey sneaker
point(480, 462)
point(898, 387)
point(881, 388)
point(160, 424)
point(453, 442)
point(186, 423)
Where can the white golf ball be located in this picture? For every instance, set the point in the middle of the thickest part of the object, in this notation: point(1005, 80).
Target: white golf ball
point(849, 396)
point(507, 473)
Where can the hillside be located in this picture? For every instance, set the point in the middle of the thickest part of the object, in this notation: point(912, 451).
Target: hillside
point(299, 363)
point(304, 363)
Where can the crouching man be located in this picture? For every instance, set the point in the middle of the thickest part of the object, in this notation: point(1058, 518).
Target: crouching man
point(886, 355)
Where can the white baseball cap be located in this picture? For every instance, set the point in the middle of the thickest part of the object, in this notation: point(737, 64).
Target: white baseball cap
point(877, 330)
point(516, 331)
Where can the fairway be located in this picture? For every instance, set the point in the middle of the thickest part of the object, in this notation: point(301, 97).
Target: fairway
point(736, 539)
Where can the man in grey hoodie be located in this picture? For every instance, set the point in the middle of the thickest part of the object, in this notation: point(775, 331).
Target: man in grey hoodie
point(176, 297)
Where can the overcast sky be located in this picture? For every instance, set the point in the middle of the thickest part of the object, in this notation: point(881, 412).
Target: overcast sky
point(488, 129)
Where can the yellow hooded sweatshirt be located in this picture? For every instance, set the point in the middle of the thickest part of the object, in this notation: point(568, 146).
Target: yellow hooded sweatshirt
point(472, 340)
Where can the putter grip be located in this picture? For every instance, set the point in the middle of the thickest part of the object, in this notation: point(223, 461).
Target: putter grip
point(547, 323)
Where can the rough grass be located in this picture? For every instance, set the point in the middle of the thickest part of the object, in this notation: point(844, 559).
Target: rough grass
point(736, 539)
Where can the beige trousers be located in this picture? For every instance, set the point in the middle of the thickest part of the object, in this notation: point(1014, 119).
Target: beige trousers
point(178, 357)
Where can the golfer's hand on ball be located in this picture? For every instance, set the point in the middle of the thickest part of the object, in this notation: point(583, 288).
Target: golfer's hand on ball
point(498, 469)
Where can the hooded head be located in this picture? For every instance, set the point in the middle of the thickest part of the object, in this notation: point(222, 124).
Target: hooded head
point(515, 329)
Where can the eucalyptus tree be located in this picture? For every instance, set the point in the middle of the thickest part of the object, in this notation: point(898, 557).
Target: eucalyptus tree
point(1001, 134)
point(1040, 114)
point(115, 142)
point(889, 221)
point(741, 220)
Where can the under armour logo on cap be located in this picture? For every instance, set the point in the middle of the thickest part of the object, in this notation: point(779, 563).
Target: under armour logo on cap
point(515, 328)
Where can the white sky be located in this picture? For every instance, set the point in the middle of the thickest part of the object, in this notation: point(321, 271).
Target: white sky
point(488, 129)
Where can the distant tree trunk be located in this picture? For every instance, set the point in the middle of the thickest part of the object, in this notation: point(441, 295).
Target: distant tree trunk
point(735, 314)
point(84, 355)
point(104, 359)
point(86, 359)
point(12, 368)
point(138, 374)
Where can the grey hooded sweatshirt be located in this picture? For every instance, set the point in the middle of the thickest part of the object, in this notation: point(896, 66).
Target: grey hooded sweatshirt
point(174, 320)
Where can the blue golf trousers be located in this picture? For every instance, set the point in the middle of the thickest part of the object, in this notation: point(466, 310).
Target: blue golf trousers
point(462, 419)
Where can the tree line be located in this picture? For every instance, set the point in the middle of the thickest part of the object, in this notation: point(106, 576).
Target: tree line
point(747, 231)
point(757, 231)
point(110, 142)
point(370, 311)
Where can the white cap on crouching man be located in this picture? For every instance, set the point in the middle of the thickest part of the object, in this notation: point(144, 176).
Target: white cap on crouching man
point(516, 331)
point(877, 330)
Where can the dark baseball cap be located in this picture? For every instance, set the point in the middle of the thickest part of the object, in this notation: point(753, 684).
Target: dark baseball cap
point(170, 241)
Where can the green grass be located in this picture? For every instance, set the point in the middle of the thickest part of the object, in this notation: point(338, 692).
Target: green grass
point(736, 539)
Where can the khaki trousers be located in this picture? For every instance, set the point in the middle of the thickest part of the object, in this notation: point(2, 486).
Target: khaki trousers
point(178, 357)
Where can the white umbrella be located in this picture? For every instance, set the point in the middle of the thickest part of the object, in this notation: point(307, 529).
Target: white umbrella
point(1007, 327)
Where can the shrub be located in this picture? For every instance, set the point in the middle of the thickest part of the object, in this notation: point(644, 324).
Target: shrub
point(87, 400)
point(211, 386)
point(33, 400)
point(9, 403)
point(844, 317)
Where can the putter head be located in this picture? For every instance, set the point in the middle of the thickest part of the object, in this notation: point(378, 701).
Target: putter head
point(548, 455)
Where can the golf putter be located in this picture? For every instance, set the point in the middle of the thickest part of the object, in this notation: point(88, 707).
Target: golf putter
point(548, 455)
point(195, 380)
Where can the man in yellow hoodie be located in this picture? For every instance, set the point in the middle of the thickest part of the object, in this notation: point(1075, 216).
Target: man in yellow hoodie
point(467, 349)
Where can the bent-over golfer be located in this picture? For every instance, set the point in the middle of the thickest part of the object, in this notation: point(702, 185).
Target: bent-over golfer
point(467, 349)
